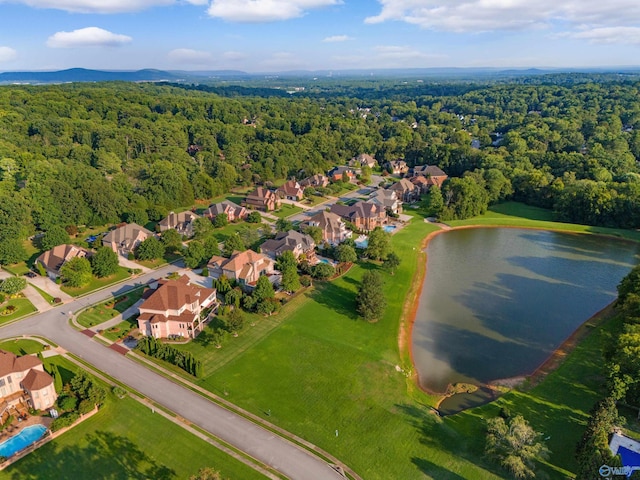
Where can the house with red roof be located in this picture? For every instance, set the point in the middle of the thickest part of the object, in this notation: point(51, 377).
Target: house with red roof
point(175, 309)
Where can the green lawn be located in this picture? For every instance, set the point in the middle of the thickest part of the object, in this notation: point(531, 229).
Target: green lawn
point(17, 269)
point(107, 310)
point(158, 262)
point(286, 211)
point(21, 346)
point(97, 283)
point(23, 307)
point(225, 232)
point(120, 330)
point(521, 215)
point(322, 369)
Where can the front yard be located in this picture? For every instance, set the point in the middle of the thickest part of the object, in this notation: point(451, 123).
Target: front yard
point(15, 308)
point(286, 211)
point(109, 309)
point(97, 283)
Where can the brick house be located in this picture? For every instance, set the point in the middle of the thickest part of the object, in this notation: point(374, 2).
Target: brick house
point(126, 238)
point(406, 191)
point(364, 216)
point(23, 380)
point(317, 180)
point(336, 174)
point(52, 260)
point(234, 211)
point(397, 167)
point(244, 267)
point(433, 174)
point(181, 222)
point(291, 190)
point(421, 183)
point(296, 242)
point(174, 309)
point(334, 230)
point(262, 199)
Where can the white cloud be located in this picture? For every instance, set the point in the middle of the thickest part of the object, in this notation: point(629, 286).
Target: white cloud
point(487, 15)
point(258, 11)
point(609, 35)
point(7, 54)
point(87, 37)
point(100, 6)
point(337, 38)
point(233, 56)
point(189, 56)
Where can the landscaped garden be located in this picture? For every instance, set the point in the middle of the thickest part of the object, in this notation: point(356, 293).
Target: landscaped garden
point(15, 308)
point(107, 310)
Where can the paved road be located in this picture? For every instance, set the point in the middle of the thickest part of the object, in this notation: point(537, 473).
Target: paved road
point(235, 430)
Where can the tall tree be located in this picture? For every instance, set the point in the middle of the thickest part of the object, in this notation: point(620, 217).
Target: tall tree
point(370, 299)
point(231, 244)
point(346, 254)
point(515, 445)
point(171, 240)
point(391, 263)
point(290, 279)
point(76, 272)
point(379, 244)
point(56, 235)
point(104, 262)
point(150, 249)
point(195, 254)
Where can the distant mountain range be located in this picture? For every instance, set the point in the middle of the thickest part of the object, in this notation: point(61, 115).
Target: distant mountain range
point(152, 75)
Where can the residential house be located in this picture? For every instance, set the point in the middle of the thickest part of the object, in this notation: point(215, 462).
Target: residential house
point(421, 183)
point(362, 160)
point(181, 222)
point(397, 167)
point(296, 242)
point(174, 309)
point(126, 238)
point(52, 260)
point(334, 230)
point(24, 384)
point(234, 211)
point(364, 216)
point(433, 174)
point(336, 174)
point(262, 199)
point(291, 190)
point(406, 191)
point(387, 199)
point(244, 267)
point(317, 180)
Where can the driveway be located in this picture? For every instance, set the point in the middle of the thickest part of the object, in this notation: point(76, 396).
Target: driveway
point(282, 455)
point(47, 285)
point(38, 300)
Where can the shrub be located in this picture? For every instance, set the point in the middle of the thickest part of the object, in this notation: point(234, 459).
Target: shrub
point(205, 272)
point(67, 403)
point(85, 406)
point(63, 421)
point(119, 391)
point(3, 297)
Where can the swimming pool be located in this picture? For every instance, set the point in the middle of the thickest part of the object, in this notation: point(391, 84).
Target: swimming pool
point(389, 228)
point(25, 438)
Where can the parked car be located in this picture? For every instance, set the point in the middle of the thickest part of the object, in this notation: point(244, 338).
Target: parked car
point(31, 274)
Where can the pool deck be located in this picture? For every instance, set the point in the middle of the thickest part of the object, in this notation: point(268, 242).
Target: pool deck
point(16, 427)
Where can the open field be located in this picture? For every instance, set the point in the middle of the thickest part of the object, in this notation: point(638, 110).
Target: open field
point(323, 369)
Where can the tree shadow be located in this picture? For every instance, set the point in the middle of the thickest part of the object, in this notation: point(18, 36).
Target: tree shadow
point(105, 455)
point(339, 299)
point(435, 471)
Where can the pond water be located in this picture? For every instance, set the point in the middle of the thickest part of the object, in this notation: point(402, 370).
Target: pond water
point(26, 437)
point(496, 302)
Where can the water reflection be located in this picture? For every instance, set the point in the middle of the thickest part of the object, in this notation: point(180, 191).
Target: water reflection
point(497, 302)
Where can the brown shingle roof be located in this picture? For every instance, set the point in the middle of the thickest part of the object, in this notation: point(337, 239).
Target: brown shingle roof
point(10, 363)
point(173, 294)
point(56, 257)
point(36, 380)
point(173, 220)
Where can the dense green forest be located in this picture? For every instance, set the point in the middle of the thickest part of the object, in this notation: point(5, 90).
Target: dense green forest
point(94, 154)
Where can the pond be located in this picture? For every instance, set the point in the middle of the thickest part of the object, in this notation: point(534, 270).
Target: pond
point(496, 302)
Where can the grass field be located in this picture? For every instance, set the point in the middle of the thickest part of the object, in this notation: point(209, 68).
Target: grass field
point(23, 307)
point(97, 283)
point(225, 232)
point(107, 310)
point(322, 369)
point(120, 330)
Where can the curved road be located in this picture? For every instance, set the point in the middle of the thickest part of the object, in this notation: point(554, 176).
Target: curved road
point(270, 449)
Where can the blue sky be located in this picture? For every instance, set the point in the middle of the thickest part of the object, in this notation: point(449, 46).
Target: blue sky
point(280, 35)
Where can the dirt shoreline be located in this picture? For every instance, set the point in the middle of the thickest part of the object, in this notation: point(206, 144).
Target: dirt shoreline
point(410, 310)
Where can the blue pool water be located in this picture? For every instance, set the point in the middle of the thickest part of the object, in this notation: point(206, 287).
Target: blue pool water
point(389, 228)
point(324, 260)
point(25, 438)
